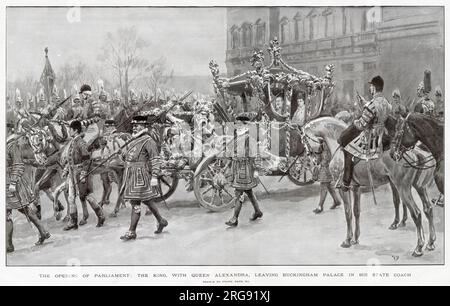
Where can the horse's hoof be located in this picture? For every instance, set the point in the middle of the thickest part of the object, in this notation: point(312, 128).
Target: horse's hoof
point(431, 246)
point(113, 215)
point(346, 244)
point(402, 224)
point(393, 226)
point(354, 242)
point(58, 216)
point(66, 219)
point(83, 222)
point(417, 253)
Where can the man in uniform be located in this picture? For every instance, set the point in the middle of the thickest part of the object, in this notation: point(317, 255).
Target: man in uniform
point(374, 115)
point(439, 103)
point(77, 165)
point(244, 166)
point(124, 117)
point(425, 105)
point(141, 162)
point(76, 109)
point(50, 111)
point(18, 192)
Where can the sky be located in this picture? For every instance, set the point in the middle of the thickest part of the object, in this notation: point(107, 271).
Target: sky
point(188, 37)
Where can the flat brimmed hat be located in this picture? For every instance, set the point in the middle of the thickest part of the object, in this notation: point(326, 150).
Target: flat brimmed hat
point(140, 119)
point(246, 116)
point(110, 122)
point(377, 81)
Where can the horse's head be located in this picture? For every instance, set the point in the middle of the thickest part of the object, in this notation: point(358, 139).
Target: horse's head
point(39, 143)
point(404, 138)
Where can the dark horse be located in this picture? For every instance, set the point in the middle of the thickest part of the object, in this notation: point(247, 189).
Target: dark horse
point(417, 127)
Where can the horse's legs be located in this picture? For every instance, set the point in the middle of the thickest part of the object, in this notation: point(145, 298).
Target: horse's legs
point(417, 218)
point(348, 218)
point(9, 231)
point(66, 196)
point(107, 188)
point(428, 211)
point(396, 200)
point(323, 196)
point(439, 176)
point(356, 212)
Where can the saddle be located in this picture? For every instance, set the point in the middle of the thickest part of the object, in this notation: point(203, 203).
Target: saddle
point(368, 145)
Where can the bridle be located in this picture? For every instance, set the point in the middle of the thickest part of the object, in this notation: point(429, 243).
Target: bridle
point(399, 148)
point(401, 151)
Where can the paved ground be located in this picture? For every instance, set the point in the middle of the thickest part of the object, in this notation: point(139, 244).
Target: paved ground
point(289, 234)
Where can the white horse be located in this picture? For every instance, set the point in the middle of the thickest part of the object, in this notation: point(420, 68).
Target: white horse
point(384, 170)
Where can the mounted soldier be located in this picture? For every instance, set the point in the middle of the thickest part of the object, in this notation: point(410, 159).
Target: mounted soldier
point(439, 103)
point(425, 105)
point(141, 159)
point(363, 139)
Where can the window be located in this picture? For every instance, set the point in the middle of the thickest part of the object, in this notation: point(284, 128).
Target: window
point(369, 66)
point(284, 30)
point(348, 67)
point(298, 24)
point(246, 35)
point(260, 32)
point(234, 37)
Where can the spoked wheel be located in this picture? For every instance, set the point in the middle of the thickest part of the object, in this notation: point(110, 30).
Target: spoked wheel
point(301, 173)
point(168, 185)
point(212, 184)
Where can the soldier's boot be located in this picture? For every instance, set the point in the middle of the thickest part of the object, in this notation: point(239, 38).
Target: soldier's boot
point(258, 213)
point(100, 217)
point(9, 234)
point(98, 211)
point(162, 223)
point(135, 216)
point(73, 223)
point(237, 209)
point(348, 171)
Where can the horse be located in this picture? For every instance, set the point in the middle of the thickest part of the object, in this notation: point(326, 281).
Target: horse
point(384, 170)
point(429, 131)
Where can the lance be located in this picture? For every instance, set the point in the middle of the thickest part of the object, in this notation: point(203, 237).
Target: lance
point(164, 112)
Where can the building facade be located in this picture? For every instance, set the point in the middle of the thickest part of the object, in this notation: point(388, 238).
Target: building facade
point(398, 43)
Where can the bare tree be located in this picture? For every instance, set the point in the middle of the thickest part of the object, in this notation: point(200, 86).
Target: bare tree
point(157, 77)
point(124, 51)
